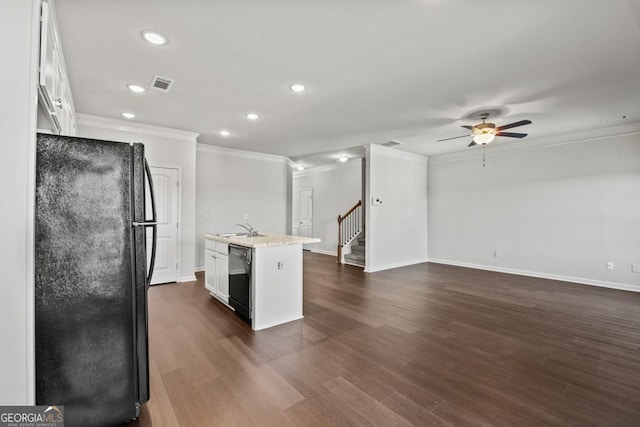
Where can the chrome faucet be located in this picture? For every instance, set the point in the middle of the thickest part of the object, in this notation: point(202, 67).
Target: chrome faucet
point(252, 231)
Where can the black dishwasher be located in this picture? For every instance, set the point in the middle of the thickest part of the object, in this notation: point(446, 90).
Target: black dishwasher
point(240, 281)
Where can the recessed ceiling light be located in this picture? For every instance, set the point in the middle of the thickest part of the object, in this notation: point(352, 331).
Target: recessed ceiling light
point(252, 116)
point(154, 37)
point(128, 115)
point(300, 168)
point(298, 87)
point(343, 159)
point(224, 132)
point(136, 88)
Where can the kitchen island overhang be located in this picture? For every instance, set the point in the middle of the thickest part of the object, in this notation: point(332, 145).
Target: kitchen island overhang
point(276, 289)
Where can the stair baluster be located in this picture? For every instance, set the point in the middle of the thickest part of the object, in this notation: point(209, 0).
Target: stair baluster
point(348, 230)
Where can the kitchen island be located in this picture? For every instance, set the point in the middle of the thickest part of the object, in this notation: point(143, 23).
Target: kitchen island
point(274, 275)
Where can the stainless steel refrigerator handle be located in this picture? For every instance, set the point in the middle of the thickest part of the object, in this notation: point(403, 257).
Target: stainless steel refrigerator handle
point(153, 223)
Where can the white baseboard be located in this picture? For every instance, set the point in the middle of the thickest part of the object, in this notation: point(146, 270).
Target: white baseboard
point(578, 280)
point(394, 265)
point(324, 252)
point(199, 269)
point(187, 279)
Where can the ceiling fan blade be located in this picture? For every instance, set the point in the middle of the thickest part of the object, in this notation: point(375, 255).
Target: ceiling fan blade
point(472, 144)
point(468, 127)
point(513, 125)
point(512, 134)
point(455, 137)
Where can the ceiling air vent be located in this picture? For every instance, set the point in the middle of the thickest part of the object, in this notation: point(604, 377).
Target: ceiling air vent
point(391, 143)
point(161, 84)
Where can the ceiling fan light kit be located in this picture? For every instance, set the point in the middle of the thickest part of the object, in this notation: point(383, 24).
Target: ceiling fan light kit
point(484, 133)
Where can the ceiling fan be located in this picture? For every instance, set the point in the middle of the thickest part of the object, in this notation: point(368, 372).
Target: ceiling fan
point(484, 133)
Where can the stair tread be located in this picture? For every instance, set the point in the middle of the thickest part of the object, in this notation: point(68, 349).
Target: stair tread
point(355, 256)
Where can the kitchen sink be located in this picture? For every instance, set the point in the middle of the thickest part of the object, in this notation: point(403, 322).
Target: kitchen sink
point(233, 234)
point(238, 235)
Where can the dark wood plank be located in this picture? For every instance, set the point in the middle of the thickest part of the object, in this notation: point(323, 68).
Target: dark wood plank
point(421, 345)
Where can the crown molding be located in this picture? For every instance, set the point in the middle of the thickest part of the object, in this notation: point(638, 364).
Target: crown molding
point(395, 152)
point(328, 168)
point(536, 144)
point(127, 126)
point(214, 149)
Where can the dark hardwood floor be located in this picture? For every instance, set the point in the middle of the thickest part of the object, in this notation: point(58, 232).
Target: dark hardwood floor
point(421, 345)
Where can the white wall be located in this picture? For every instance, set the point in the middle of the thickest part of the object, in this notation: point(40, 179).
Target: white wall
point(397, 229)
point(336, 188)
point(163, 147)
point(234, 183)
point(18, 106)
point(559, 211)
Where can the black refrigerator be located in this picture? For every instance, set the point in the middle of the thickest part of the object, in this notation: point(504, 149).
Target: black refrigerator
point(91, 278)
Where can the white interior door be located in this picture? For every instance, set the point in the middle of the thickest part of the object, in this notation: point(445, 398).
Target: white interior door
point(165, 185)
point(306, 213)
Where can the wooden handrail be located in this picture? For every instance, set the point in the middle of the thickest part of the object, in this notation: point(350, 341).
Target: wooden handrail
point(341, 218)
point(352, 225)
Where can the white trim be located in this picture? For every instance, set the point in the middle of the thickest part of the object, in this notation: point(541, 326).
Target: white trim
point(395, 265)
point(557, 140)
point(397, 153)
point(187, 279)
point(326, 168)
point(31, 192)
point(254, 155)
point(324, 252)
point(199, 269)
point(126, 126)
point(578, 280)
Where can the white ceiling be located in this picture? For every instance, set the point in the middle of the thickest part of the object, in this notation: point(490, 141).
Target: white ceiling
point(376, 70)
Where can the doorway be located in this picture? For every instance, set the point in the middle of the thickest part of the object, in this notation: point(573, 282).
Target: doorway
point(306, 213)
point(165, 185)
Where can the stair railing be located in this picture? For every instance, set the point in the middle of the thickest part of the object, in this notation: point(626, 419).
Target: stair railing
point(349, 226)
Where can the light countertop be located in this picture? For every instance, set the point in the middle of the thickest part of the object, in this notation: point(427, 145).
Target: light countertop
point(263, 240)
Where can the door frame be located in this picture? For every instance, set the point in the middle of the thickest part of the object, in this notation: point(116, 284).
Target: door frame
point(300, 190)
point(179, 215)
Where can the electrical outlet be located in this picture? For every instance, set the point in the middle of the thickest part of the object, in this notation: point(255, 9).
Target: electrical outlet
point(635, 268)
point(280, 265)
point(497, 254)
point(610, 265)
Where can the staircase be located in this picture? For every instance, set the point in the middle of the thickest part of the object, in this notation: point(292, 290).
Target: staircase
point(356, 257)
point(351, 234)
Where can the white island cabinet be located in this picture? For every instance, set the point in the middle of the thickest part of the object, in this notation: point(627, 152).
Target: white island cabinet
point(216, 278)
point(276, 285)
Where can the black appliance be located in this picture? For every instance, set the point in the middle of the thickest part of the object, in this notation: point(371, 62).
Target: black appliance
point(91, 345)
point(240, 281)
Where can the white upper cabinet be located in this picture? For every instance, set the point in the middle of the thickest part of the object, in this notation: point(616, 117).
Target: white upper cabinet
point(57, 113)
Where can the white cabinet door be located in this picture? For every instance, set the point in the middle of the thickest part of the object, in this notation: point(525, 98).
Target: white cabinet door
point(54, 90)
point(210, 272)
point(48, 61)
point(222, 274)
